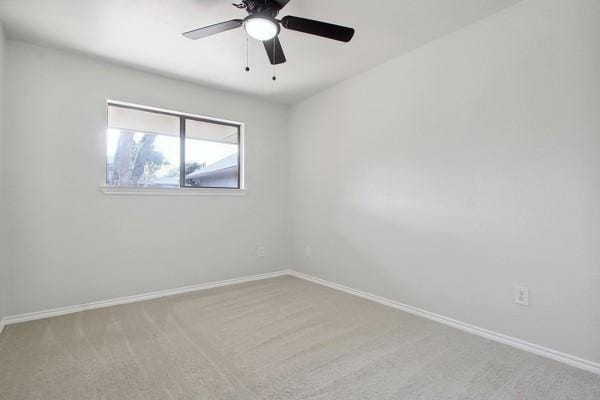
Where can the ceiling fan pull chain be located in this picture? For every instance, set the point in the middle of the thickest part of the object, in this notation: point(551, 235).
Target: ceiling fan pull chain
point(247, 54)
point(274, 57)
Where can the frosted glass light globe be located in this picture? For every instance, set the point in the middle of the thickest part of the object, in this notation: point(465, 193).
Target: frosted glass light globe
point(261, 28)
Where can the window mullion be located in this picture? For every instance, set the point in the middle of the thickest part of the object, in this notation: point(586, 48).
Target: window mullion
point(181, 151)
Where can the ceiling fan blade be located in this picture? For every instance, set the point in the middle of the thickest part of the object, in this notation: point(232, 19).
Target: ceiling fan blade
point(213, 29)
point(323, 29)
point(280, 3)
point(275, 51)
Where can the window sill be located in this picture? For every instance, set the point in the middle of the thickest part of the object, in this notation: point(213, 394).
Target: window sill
point(135, 191)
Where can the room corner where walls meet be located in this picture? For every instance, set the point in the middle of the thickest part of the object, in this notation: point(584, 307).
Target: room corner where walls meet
point(4, 262)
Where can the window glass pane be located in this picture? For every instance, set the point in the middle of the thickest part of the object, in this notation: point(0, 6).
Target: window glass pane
point(211, 155)
point(142, 148)
point(141, 159)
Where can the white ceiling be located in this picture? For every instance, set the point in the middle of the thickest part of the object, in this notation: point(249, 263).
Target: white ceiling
point(147, 34)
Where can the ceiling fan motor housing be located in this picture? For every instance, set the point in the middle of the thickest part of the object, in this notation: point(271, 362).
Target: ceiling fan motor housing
point(262, 8)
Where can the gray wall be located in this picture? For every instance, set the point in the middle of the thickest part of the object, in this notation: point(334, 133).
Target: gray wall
point(72, 244)
point(447, 176)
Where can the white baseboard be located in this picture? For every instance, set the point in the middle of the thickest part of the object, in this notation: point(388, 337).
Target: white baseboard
point(568, 359)
point(132, 299)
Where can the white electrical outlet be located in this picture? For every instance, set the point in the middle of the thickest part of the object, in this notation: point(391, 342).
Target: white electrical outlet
point(261, 251)
point(308, 251)
point(522, 295)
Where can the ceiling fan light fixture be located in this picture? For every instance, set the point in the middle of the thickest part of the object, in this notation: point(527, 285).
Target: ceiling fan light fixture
point(261, 28)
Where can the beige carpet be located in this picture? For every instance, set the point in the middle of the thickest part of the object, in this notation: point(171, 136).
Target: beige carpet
point(282, 338)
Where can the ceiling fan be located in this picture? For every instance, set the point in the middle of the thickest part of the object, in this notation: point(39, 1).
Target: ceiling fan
point(262, 24)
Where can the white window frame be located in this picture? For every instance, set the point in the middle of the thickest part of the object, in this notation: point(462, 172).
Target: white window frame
point(181, 191)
